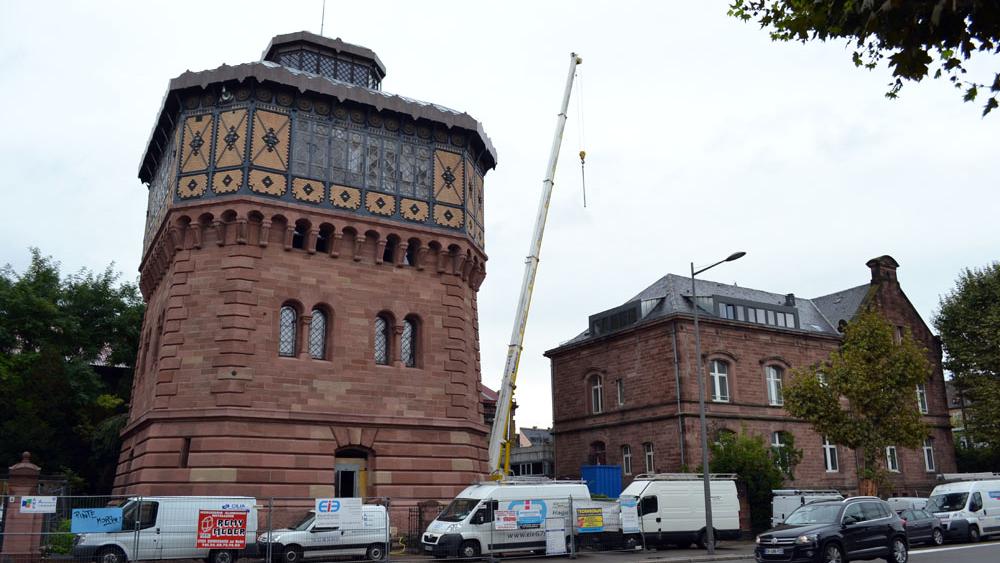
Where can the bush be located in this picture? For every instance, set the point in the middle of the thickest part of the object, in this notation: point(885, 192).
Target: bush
point(751, 458)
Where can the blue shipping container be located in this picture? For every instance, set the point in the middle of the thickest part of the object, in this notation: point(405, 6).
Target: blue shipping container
point(603, 479)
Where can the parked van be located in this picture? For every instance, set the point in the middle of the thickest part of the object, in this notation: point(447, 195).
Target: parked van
point(165, 528)
point(968, 510)
point(307, 540)
point(672, 508)
point(466, 527)
point(785, 501)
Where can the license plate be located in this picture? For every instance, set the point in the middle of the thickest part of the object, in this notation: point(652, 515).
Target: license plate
point(774, 551)
point(427, 548)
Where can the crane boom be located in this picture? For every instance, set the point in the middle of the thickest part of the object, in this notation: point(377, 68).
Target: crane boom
point(500, 431)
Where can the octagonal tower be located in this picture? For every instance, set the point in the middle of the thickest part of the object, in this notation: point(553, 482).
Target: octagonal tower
point(312, 255)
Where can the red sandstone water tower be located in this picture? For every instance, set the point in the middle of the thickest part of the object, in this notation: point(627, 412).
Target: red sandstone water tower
point(312, 255)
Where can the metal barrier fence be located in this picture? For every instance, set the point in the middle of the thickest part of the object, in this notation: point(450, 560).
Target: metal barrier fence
point(120, 529)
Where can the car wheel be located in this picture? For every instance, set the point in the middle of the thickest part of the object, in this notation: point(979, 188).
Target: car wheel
point(111, 555)
point(469, 549)
point(974, 534)
point(291, 555)
point(898, 552)
point(222, 556)
point(937, 538)
point(375, 552)
point(833, 554)
point(633, 542)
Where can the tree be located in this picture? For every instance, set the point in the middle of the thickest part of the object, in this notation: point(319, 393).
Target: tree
point(863, 396)
point(916, 37)
point(751, 458)
point(969, 325)
point(67, 346)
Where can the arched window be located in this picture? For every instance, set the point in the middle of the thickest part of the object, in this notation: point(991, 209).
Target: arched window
point(408, 343)
point(774, 377)
point(719, 381)
point(317, 335)
point(389, 254)
point(299, 235)
point(382, 340)
point(598, 453)
point(596, 394)
point(287, 329)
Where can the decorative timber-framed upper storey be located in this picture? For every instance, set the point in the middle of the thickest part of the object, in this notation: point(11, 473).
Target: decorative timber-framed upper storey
point(309, 125)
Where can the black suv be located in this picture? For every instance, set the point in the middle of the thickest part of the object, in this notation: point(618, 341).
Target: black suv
point(835, 531)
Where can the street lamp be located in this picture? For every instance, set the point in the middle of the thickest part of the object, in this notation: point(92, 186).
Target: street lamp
point(709, 532)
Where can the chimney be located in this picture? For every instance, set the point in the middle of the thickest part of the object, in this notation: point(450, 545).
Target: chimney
point(883, 269)
point(790, 300)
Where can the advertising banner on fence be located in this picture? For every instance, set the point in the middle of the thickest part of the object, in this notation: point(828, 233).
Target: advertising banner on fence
point(530, 513)
point(630, 515)
point(38, 505)
point(555, 536)
point(505, 520)
point(87, 520)
point(338, 512)
point(222, 529)
point(589, 520)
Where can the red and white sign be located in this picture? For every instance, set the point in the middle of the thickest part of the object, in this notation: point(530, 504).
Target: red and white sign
point(222, 529)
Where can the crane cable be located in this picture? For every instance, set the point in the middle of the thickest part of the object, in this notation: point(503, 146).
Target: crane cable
point(581, 134)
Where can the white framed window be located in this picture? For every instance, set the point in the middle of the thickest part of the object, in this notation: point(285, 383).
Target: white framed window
point(647, 448)
point(821, 377)
point(922, 398)
point(719, 379)
point(891, 459)
point(777, 440)
point(929, 455)
point(620, 388)
point(596, 394)
point(774, 395)
point(627, 459)
point(830, 459)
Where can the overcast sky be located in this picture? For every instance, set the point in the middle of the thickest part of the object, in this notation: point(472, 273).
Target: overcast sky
point(702, 137)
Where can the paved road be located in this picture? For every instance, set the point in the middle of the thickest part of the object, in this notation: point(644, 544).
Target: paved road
point(987, 552)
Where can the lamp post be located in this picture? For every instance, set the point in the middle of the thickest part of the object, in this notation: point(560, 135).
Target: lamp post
point(709, 532)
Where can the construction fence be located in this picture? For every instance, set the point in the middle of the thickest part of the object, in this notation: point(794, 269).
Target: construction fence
point(119, 529)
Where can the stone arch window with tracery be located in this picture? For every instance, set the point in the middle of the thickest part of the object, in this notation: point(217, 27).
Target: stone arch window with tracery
point(288, 323)
point(598, 453)
point(383, 339)
point(318, 334)
point(409, 345)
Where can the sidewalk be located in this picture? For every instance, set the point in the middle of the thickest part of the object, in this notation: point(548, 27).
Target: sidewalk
point(727, 551)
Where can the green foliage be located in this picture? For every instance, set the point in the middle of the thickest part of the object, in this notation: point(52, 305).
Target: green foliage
point(976, 459)
point(913, 36)
point(60, 541)
point(751, 458)
point(787, 456)
point(864, 396)
point(969, 325)
point(53, 330)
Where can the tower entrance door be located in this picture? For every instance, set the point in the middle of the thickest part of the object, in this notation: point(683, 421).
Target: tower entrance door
point(351, 473)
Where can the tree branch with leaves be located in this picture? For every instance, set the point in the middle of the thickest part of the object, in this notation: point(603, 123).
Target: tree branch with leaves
point(916, 38)
point(864, 396)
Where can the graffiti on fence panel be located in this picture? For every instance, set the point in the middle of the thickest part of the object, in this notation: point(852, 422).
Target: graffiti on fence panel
point(87, 520)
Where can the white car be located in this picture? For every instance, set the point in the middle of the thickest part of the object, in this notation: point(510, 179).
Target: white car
point(307, 540)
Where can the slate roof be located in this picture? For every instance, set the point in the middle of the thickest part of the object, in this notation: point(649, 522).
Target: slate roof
point(536, 436)
point(671, 295)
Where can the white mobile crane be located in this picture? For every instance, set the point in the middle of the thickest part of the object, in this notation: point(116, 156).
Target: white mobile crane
point(499, 434)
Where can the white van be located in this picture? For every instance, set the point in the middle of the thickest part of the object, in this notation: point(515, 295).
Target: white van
point(968, 510)
point(672, 508)
point(306, 540)
point(165, 528)
point(785, 501)
point(466, 527)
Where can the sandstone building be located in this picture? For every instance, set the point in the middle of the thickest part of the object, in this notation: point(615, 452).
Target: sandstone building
point(312, 255)
point(628, 395)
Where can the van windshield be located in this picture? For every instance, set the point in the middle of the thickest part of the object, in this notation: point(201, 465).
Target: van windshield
point(948, 502)
point(814, 514)
point(303, 524)
point(458, 510)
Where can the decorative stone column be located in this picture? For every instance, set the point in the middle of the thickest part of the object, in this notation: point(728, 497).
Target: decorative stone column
point(22, 532)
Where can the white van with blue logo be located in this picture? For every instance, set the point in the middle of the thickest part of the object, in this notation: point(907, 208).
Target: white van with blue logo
point(468, 526)
point(312, 539)
point(968, 510)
